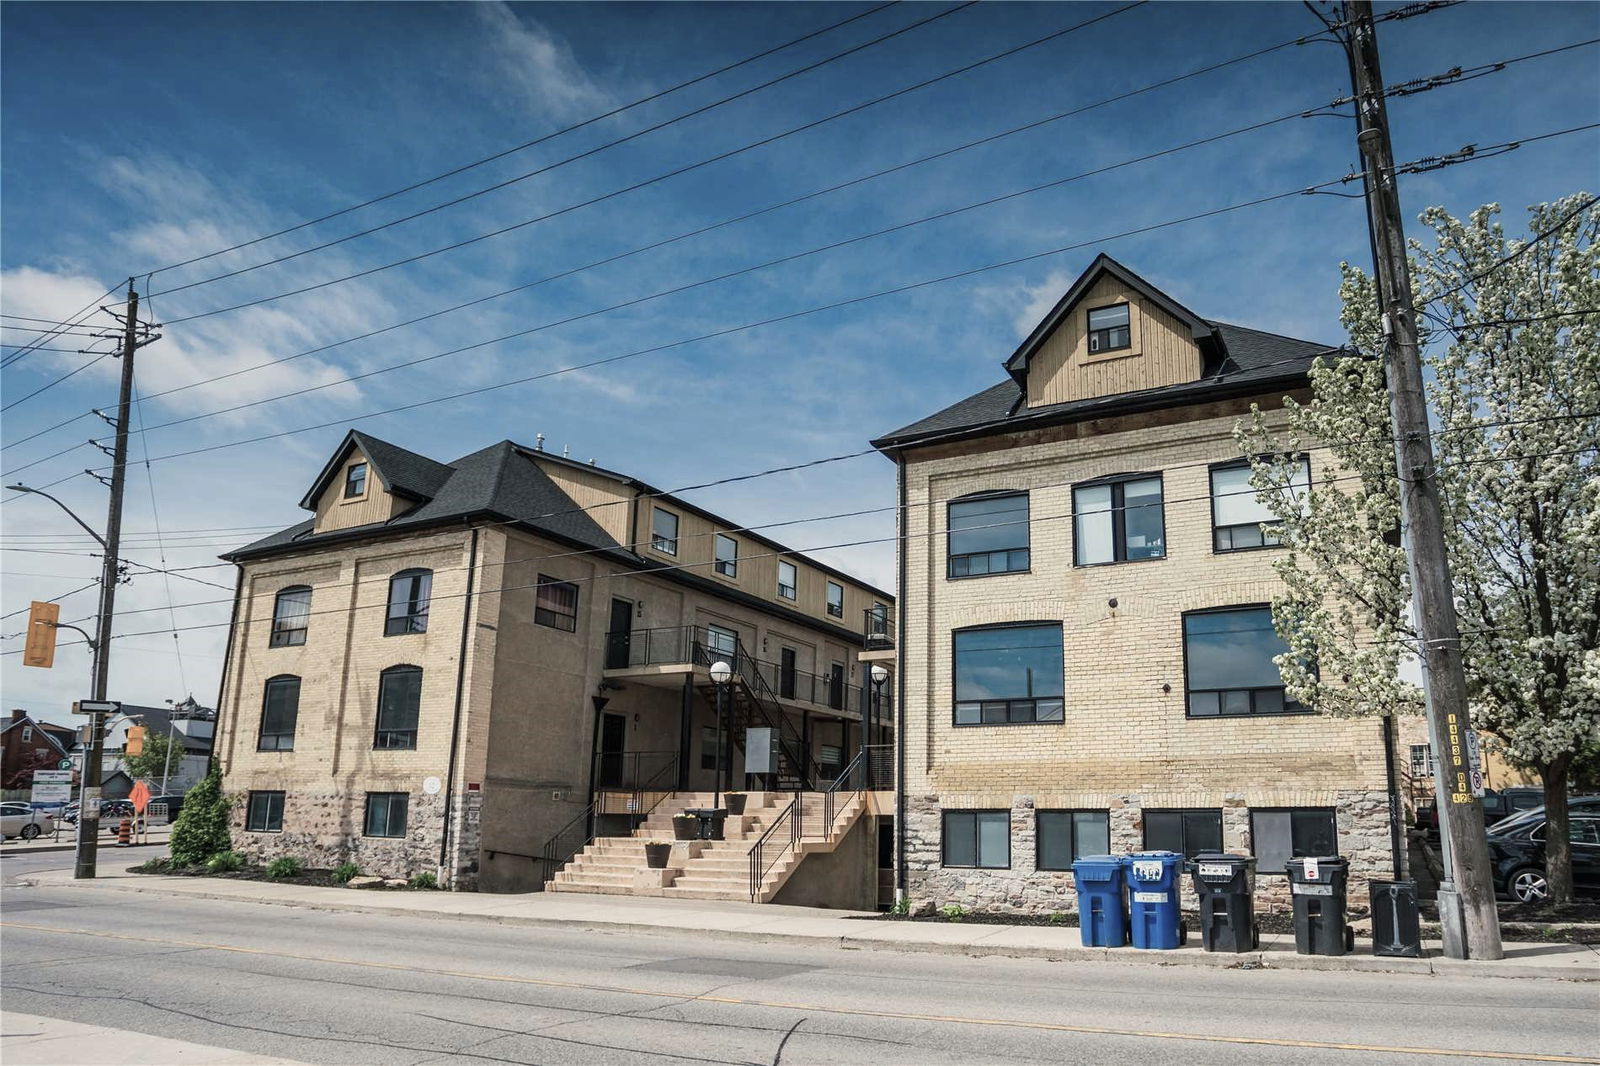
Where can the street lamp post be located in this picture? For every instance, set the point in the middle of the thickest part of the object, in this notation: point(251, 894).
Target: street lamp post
point(880, 675)
point(721, 672)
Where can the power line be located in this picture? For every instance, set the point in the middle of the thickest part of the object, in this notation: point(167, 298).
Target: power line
point(71, 320)
point(529, 144)
point(719, 157)
point(52, 384)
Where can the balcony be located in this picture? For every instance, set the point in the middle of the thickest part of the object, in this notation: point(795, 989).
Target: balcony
point(878, 629)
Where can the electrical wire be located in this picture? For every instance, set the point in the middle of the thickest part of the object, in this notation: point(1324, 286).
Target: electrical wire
point(52, 384)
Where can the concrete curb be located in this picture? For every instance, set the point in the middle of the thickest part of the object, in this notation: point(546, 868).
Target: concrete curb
point(973, 946)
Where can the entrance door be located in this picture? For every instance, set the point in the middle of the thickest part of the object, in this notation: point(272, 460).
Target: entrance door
point(786, 673)
point(619, 635)
point(613, 740)
point(836, 686)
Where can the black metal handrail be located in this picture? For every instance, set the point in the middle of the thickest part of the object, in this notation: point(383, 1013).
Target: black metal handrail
point(877, 628)
point(846, 787)
point(791, 820)
point(747, 669)
point(576, 834)
point(626, 771)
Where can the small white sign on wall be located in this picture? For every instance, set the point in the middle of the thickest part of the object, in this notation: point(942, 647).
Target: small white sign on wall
point(431, 785)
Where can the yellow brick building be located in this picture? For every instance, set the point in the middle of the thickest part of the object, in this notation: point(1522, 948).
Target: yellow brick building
point(447, 667)
point(1084, 635)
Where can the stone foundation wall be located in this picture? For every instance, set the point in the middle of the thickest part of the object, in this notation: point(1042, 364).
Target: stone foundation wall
point(1361, 819)
point(323, 829)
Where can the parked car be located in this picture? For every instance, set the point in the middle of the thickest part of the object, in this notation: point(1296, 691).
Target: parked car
point(21, 820)
point(1516, 853)
point(174, 804)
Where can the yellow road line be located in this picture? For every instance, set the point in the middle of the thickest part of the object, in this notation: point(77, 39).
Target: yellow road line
point(862, 1012)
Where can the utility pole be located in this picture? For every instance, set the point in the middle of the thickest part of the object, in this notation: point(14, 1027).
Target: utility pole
point(1467, 916)
point(89, 807)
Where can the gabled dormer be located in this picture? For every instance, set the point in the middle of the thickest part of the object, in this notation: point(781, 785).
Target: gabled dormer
point(368, 481)
point(1113, 332)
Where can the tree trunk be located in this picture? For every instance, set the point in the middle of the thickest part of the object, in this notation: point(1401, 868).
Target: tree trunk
point(1557, 835)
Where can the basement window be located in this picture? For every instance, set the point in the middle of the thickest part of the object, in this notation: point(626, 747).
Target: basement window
point(386, 814)
point(979, 839)
point(1187, 832)
point(1289, 833)
point(1066, 835)
point(264, 813)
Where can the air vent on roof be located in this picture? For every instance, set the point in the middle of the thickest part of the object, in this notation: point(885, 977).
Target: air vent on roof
point(538, 442)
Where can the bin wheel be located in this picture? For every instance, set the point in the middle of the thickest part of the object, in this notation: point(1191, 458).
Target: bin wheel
point(1349, 938)
point(1255, 937)
point(1183, 934)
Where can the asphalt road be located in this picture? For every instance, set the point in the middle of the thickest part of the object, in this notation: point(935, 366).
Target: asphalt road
point(326, 987)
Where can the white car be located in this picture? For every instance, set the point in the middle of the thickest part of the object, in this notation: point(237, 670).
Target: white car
point(21, 820)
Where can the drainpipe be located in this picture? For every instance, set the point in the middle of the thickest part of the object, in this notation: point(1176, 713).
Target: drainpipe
point(900, 694)
point(1396, 850)
point(217, 733)
point(447, 868)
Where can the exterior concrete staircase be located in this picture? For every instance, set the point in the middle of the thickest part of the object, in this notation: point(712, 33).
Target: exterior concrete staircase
point(712, 869)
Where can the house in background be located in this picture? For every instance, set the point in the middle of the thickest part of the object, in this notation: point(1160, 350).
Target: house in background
point(186, 721)
point(27, 744)
point(477, 667)
point(1086, 640)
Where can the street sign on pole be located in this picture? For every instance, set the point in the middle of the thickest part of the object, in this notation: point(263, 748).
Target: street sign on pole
point(97, 707)
point(64, 764)
point(51, 788)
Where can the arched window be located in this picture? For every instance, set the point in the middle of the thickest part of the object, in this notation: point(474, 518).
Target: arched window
point(399, 704)
point(409, 591)
point(280, 707)
point(291, 614)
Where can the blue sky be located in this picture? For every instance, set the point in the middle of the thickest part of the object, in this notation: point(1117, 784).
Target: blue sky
point(139, 135)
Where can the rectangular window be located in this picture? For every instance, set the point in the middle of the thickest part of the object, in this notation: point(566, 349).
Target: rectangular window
point(386, 814)
point(1009, 674)
point(788, 580)
point(280, 707)
point(835, 600)
point(555, 604)
point(264, 813)
point(1421, 760)
point(978, 838)
point(399, 706)
point(1118, 521)
point(1228, 663)
point(727, 556)
point(27, 734)
point(722, 643)
point(988, 535)
point(1108, 328)
point(355, 480)
point(1186, 832)
point(664, 532)
point(1236, 517)
point(1066, 835)
point(1288, 833)
point(708, 749)
point(830, 759)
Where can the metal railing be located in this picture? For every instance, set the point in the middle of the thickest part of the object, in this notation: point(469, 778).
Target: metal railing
point(878, 629)
point(746, 669)
point(781, 837)
point(576, 834)
point(625, 771)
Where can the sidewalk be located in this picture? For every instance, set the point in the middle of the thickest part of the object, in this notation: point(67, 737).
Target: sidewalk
point(33, 1040)
point(66, 840)
point(847, 929)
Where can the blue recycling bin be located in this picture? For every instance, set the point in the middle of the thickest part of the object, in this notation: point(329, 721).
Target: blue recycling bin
point(1102, 914)
point(1154, 919)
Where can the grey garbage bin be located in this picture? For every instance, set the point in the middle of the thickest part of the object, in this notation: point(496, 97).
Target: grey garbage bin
point(1317, 884)
point(1226, 886)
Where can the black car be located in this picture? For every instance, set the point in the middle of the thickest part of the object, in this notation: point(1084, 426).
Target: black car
point(1517, 856)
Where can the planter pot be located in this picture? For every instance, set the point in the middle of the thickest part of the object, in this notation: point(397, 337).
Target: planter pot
point(657, 854)
point(685, 827)
point(735, 802)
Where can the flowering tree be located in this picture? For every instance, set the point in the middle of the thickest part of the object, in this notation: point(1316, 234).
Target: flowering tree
point(1512, 361)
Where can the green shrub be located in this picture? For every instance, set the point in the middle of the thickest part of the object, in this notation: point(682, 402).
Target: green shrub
point(201, 830)
point(1057, 918)
point(155, 866)
point(225, 862)
point(425, 880)
point(344, 872)
point(283, 866)
point(954, 912)
point(902, 906)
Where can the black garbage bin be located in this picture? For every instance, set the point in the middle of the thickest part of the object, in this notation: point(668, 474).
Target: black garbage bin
point(1396, 925)
point(711, 819)
point(1226, 886)
point(1317, 884)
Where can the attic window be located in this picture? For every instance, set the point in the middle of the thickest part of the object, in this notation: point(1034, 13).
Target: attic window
point(1108, 328)
point(355, 481)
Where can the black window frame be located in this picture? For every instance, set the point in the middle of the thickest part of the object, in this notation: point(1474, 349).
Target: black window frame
point(414, 618)
point(974, 813)
point(1092, 335)
point(266, 823)
point(1296, 851)
point(1185, 814)
point(1070, 816)
point(659, 543)
point(393, 738)
point(355, 486)
point(1013, 559)
point(550, 616)
point(834, 610)
point(1288, 705)
point(726, 567)
point(388, 799)
point(279, 735)
point(282, 636)
point(1012, 705)
point(1119, 519)
point(1267, 540)
point(788, 592)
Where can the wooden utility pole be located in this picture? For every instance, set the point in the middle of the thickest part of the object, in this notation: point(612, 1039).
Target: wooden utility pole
point(1467, 915)
point(89, 806)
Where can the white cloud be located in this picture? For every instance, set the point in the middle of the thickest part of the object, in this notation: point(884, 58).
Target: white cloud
point(540, 64)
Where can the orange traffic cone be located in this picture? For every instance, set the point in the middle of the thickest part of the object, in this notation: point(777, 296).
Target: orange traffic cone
point(125, 832)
